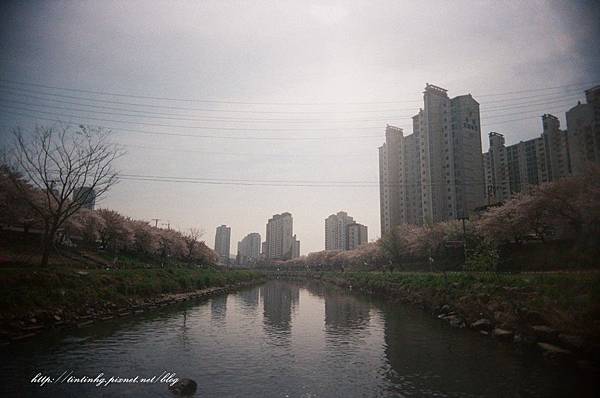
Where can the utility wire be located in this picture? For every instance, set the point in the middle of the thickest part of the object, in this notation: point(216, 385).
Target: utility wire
point(282, 183)
point(106, 93)
point(226, 137)
point(163, 115)
point(71, 116)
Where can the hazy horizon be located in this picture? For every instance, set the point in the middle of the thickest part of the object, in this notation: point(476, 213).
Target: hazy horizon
point(271, 106)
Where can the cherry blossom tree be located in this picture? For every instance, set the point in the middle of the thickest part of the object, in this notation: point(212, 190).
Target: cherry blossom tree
point(58, 162)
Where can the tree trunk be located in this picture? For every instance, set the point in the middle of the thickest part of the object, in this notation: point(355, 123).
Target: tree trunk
point(49, 235)
point(46, 243)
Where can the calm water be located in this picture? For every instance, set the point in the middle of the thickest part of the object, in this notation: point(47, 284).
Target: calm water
point(287, 340)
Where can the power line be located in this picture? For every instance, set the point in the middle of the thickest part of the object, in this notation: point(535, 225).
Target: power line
point(290, 184)
point(106, 93)
point(538, 89)
point(286, 182)
point(158, 115)
point(246, 128)
point(226, 137)
point(154, 106)
point(153, 115)
point(190, 127)
point(262, 155)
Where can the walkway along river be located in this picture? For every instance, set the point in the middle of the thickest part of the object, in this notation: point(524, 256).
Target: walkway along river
point(286, 339)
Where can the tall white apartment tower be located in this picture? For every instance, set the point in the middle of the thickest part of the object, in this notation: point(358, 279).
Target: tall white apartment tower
point(336, 231)
point(436, 173)
point(249, 248)
point(222, 243)
point(391, 179)
point(280, 238)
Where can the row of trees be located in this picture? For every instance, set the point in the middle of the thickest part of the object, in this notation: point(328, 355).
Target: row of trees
point(42, 173)
point(567, 209)
point(117, 233)
point(101, 228)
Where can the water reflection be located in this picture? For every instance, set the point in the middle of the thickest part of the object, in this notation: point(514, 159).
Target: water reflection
point(344, 313)
point(307, 340)
point(279, 301)
point(218, 309)
point(249, 300)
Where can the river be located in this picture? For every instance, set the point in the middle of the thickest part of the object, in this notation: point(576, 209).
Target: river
point(286, 339)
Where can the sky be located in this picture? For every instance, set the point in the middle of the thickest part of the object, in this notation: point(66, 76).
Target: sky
point(256, 108)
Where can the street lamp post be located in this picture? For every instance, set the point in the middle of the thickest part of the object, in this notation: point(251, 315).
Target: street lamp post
point(464, 228)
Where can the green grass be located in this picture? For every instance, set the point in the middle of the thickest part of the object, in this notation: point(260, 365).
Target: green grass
point(559, 286)
point(32, 288)
point(566, 301)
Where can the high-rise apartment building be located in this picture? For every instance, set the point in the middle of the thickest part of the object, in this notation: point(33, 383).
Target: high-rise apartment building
point(556, 154)
point(496, 168)
point(556, 147)
point(281, 243)
point(436, 173)
point(222, 243)
point(583, 131)
point(86, 196)
point(295, 247)
point(337, 232)
point(514, 168)
point(249, 249)
point(357, 235)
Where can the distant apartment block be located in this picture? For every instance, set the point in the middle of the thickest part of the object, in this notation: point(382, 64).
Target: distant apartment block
point(436, 173)
point(357, 235)
point(86, 196)
point(583, 131)
point(557, 153)
point(515, 168)
point(249, 249)
point(222, 243)
point(337, 232)
point(281, 243)
point(295, 248)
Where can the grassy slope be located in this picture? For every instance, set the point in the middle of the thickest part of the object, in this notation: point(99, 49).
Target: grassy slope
point(569, 302)
point(27, 289)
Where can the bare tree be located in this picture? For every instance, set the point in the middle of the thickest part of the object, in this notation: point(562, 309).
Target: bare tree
point(191, 238)
point(58, 162)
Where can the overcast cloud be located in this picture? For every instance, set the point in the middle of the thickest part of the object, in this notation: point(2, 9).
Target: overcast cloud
point(306, 62)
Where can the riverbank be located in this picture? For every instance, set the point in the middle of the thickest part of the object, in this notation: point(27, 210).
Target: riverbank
point(35, 299)
point(557, 312)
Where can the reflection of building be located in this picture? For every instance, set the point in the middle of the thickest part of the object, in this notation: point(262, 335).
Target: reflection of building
point(249, 249)
point(281, 243)
point(249, 297)
point(279, 300)
point(86, 196)
point(436, 173)
point(218, 308)
point(345, 312)
point(222, 243)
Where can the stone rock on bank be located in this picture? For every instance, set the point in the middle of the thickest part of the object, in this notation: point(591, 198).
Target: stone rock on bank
point(184, 388)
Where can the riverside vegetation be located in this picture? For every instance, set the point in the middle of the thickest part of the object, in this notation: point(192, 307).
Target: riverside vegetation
point(35, 298)
point(525, 270)
point(556, 312)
